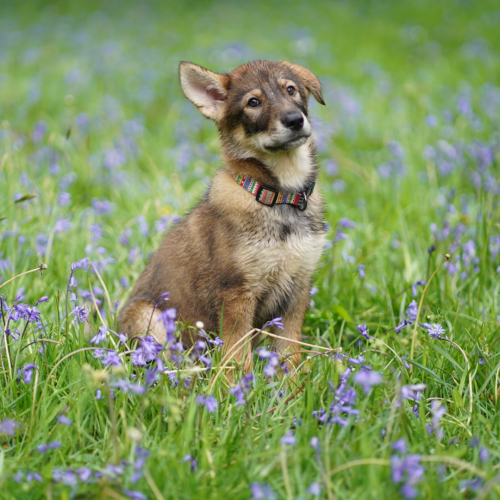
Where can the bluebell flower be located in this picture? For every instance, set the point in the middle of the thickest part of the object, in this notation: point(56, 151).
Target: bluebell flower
point(412, 311)
point(314, 489)
point(209, 401)
point(49, 446)
point(134, 495)
point(64, 199)
point(9, 426)
point(367, 379)
point(62, 226)
point(314, 442)
point(84, 474)
point(363, 330)
point(400, 446)
point(484, 455)
point(192, 461)
point(167, 317)
point(80, 314)
point(346, 223)
point(26, 373)
point(288, 439)
point(361, 271)
point(262, 492)
point(100, 336)
point(474, 442)
point(62, 419)
point(414, 287)
point(111, 358)
point(435, 330)
point(66, 477)
point(473, 485)
point(274, 322)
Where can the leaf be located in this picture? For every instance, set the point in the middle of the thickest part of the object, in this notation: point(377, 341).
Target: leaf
point(340, 311)
point(457, 397)
point(25, 198)
point(2, 218)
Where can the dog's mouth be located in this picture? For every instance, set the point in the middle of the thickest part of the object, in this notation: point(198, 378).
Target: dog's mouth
point(293, 143)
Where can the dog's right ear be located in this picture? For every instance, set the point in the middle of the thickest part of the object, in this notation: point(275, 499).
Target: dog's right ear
point(205, 89)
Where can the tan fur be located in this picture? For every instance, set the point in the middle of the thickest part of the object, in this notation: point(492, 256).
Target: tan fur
point(232, 259)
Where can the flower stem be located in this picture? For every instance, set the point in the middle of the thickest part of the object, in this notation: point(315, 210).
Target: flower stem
point(415, 326)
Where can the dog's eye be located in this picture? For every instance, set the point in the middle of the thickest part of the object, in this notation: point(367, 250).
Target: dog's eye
point(291, 90)
point(253, 102)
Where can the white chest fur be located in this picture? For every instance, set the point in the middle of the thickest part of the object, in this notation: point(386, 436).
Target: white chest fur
point(274, 265)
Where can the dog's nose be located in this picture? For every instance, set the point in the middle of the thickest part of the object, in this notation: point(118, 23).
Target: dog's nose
point(293, 120)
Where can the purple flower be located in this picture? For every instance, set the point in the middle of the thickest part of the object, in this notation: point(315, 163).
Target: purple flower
point(397, 329)
point(192, 461)
point(367, 379)
point(407, 469)
point(314, 290)
point(49, 446)
point(206, 361)
point(102, 206)
point(438, 410)
point(314, 442)
point(436, 331)
point(101, 335)
point(62, 226)
point(361, 271)
point(66, 477)
point(80, 314)
point(33, 476)
point(484, 455)
point(62, 419)
point(9, 426)
point(412, 311)
point(26, 373)
point(414, 287)
point(168, 318)
point(64, 199)
point(134, 495)
point(274, 322)
point(262, 492)
point(346, 223)
point(413, 391)
point(363, 330)
point(288, 439)
point(400, 446)
point(45, 298)
point(84, 473)
point(111, 358)
point(209, 402)
point(314, 489)
point(98, 394)
point(473, 485)
point(474, 442)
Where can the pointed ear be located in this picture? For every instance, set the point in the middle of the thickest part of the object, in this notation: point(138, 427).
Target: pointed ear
point(310, 80)
point(206, 90)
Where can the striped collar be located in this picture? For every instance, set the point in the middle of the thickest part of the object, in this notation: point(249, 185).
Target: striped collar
point(270, 197)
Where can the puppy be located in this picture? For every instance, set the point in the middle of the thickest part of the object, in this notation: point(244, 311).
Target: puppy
point(246, 253)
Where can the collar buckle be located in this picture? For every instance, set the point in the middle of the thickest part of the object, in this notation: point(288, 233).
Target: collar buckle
point(266, 196)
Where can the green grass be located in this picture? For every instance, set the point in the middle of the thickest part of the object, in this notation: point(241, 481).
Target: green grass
point(386, 67)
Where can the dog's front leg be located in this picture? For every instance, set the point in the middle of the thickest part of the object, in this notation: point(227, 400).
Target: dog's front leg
point(293, 321)
point(237, 312)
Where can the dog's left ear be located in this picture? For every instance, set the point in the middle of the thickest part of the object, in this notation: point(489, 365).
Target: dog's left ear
point(205, 89)
point(310, 80)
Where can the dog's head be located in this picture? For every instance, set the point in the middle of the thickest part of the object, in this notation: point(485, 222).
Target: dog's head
point(260, 107)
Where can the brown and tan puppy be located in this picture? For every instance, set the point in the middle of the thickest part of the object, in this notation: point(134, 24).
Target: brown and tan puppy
point(241, 258)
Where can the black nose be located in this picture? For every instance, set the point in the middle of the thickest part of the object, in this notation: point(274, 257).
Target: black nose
point(293, 120)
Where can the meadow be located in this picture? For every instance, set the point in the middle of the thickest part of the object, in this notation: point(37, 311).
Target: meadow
point(100, 154)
